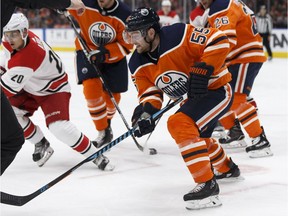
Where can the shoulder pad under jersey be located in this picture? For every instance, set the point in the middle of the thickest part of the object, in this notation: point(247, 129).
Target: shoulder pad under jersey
point(219, 6)
point(171, 36)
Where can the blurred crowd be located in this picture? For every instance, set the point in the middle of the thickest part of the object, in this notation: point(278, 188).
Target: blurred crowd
point(277, 9)
point(278, 12)
point(46, 18)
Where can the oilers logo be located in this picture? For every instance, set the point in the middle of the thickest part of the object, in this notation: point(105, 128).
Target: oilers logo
point(84, 70)
point(101, 33)
point(172, 83)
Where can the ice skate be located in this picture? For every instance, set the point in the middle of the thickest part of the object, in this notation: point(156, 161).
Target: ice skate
point(103, 163)
point(204, 195)
point(42, 152)
point(235, 137)
point(260, 147)
point(104, 137)
point(219, 131)
point(232, 175)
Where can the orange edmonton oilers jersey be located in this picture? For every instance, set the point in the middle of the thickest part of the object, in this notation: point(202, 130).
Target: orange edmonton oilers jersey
point(238, 22)
point(181, 46)
point(99, 26)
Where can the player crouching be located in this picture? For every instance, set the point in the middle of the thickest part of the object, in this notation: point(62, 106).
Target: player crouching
point(180, 60)
point(35, 77)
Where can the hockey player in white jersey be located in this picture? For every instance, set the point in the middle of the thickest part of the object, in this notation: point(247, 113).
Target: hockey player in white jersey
point(35, 77)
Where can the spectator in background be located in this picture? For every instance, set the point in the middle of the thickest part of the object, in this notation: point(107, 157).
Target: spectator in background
point(166, 15)
point(264, 27)
point(279, 13)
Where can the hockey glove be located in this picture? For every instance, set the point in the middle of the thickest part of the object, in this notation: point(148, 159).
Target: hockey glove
point(142, 117)
point(198, 83)
point(99, 55)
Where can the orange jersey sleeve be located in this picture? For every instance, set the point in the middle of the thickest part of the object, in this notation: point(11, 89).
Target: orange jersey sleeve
point(238, 22)
point(104, 27)
point(181, 46)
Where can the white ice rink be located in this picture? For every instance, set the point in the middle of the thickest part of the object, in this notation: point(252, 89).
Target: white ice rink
point(143, 185)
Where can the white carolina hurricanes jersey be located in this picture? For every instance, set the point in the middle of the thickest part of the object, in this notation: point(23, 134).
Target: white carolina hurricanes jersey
point(36, 69)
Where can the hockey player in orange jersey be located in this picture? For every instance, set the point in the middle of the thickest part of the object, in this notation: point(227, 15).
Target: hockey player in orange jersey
point(175, 60)
point(244, 61)
point(101, 28)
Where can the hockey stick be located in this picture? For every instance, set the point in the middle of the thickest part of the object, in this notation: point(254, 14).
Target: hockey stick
point(15, 200)
point(87, 52)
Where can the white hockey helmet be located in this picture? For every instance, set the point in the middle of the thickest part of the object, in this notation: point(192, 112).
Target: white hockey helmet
point(19, 22)
point(166, 3)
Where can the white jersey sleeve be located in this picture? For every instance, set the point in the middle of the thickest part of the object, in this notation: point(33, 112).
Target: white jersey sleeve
point(15, 79)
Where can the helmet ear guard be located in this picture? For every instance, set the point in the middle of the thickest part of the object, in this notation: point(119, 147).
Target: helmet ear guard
point(142, 19)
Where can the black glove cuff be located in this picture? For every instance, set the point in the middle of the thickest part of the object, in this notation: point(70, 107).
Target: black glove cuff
point(136, 114)
point(149, 108)
point(202, 70)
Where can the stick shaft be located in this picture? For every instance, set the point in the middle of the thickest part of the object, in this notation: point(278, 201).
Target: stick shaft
point(22, 200)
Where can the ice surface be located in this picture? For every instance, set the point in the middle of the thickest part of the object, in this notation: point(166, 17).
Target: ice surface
point(144, 185)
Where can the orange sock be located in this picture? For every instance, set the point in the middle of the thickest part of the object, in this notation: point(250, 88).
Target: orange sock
point(248, 117)
point(193, 148)
point(217, 155)
point(111, 109)
point(246, 113)
point(93, 92)
point(228, 120)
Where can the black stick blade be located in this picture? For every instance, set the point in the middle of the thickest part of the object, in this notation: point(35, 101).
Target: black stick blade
point(14, 200)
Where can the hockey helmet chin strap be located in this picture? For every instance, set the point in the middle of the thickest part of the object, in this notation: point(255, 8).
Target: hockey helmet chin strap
point(151, 41)
point(25, 39)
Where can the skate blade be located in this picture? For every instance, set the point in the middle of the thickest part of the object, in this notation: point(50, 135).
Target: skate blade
point(48, 153)
point(266, 152)
point(109, 167)
point(219, 134)
point(235, 144)
point(231, 179)
point(209, 202)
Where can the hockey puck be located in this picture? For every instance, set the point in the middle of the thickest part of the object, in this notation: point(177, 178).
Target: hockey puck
point(153, 151)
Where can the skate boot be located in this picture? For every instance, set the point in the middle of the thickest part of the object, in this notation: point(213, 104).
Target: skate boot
point(235, 137)
point(219, 131)
point(104, 137)
point(260, 147)
point(103, 163)
point(42, 152)
point(204, 195)
point(232, 175)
